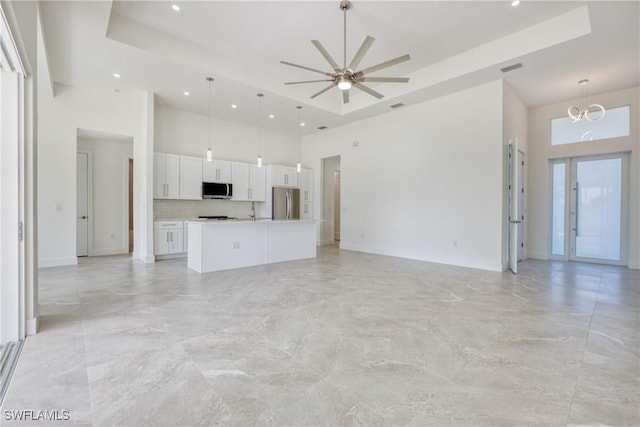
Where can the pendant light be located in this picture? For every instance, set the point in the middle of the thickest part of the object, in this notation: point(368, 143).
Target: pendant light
point(260, 130)
point(582, 112)
point(299, 165)
point(209, 150)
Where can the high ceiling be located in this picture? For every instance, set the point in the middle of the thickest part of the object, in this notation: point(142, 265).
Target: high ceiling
point(453, 45)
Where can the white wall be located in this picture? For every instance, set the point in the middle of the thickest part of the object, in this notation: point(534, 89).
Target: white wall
point(120, 113)
point(110, 195)
point(540, 151)
point(422, 178)
point(514, 126)
point(182, 132)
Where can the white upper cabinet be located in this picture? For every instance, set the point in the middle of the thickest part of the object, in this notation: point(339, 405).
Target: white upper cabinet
point(216, 171)
point(249, 182)
point(166, 176)
point(240, 181)
point(283, 176)
point(190, 178)
point(257, 183)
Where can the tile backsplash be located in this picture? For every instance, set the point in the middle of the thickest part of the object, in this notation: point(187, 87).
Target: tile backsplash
point(190, 209)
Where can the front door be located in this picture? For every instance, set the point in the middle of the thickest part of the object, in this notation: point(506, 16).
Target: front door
point(589, 220)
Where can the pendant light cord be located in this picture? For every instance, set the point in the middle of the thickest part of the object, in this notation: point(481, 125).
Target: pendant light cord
point(299, 132)
point(260, 124)
point(209, 114)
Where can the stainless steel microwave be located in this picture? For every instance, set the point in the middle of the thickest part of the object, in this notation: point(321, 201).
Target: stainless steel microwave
point(216, 190)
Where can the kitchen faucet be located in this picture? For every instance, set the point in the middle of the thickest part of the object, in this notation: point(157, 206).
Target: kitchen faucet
point(252, 215)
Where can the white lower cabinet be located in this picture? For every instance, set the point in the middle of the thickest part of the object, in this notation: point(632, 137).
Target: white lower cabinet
point(168, 237)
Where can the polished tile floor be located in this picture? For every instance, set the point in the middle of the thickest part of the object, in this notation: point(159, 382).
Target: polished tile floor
point(344, 339)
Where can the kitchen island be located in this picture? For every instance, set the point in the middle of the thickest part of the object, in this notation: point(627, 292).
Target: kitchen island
point(223, 245)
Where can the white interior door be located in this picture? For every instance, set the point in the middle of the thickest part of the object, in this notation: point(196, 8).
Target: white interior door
point(82, 209)
point(516, 197)
point(521, 204)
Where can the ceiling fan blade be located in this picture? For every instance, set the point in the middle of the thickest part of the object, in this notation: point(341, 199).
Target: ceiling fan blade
point(326, 55)
point(306, 68)
point(323, 91)
point(386, 64)
point(384, 79)
point(364, 48)
point(368, 90)
point(308, 81)
point(345, 96)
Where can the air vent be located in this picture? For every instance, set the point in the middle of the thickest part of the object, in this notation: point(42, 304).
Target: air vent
point(322, 127)
point(511, 67)
point(399, 104)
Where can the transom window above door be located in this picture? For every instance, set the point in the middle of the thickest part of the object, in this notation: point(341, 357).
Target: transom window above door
point(614, 124)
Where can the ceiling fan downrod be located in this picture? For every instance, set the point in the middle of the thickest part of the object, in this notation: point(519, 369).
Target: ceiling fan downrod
point(344, 6)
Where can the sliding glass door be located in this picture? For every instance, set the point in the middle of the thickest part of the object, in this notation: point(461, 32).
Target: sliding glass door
point(588, 209)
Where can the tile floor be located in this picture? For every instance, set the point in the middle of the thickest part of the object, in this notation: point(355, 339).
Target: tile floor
point(344, 339)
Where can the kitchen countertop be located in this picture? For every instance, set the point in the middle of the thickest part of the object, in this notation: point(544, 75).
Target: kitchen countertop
point(244, 220)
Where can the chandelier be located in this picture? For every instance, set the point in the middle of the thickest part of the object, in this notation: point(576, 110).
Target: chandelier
point(593, 112)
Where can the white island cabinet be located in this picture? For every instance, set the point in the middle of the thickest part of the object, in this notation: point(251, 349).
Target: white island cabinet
point(223, 245)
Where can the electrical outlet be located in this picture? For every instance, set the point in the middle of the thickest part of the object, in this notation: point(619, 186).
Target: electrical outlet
point(236, 245)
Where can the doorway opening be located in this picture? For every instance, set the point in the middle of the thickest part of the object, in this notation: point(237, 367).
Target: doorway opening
point(331, 201)
point(82, 202)
point(336, 207)
point(105, 188)
point(589, 209)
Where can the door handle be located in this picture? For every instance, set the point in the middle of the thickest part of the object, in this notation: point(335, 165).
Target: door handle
point(515, 221)
point(82, 217)
point(577, 206)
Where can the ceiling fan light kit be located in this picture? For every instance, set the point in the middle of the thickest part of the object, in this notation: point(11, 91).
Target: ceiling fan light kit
point(347, 76)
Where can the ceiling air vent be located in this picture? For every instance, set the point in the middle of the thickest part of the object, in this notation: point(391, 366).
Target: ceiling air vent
point(511, 67)
point(399, 104)
point(322, 127)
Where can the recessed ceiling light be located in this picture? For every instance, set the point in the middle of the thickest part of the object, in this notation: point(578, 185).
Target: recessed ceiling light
point(271, 116)
point(234, 106)
point(116, 75)
point(175, 7)
point(514, 3)
point(302, 124)
point(185, 93)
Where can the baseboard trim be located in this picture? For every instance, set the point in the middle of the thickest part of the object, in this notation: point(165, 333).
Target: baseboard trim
point(109, 251)
point(538, 255)
point(57, 262)
point(32, 325)
point(459, 261)
point(170, 256)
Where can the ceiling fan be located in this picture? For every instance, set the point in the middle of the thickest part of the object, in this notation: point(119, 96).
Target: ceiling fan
point(346, 77)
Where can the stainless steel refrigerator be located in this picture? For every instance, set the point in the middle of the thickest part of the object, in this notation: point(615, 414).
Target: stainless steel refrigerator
point(285, 203)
